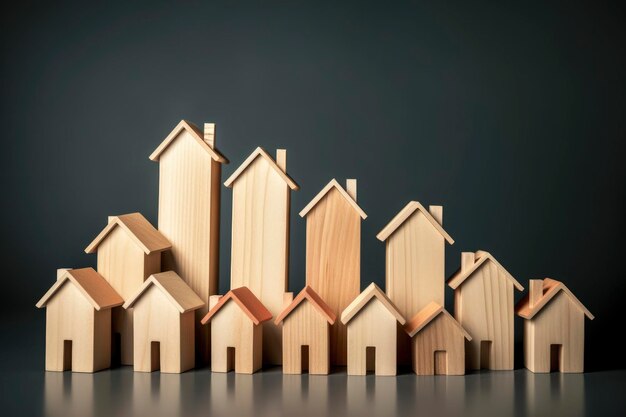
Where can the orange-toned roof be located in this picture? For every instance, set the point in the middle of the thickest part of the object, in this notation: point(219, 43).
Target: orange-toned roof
point(404, 215)
point(332, 184)
point(551, 288)
point(480, 258)
point(260, 152)
point(196, 134)
point(248, 303)
point(308, 294)
point(428, 314)
point(174, 289)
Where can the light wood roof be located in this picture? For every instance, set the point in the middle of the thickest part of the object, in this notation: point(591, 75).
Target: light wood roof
point(248, 303)
point(332, 184)
point(428, 314)
point(260, 152)
point(372, 291)
point(404, 214)
point(480, 258)
point(196, 134)
point(174, 288)
point(308, 294)
point(551, 288)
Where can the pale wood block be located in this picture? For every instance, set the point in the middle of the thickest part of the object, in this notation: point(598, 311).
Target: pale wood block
point(437, 213)
point(351, 188)
point(209, 134)
point(61, 272)
point(281, 159)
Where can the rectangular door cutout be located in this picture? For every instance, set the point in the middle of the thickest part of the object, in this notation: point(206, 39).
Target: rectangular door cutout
point(441, 362)
point(370, 359)
point(67, 355)
point(155, 356)
point(230, 358)
point(304, 356)
point(485, 354)
point(555, 357)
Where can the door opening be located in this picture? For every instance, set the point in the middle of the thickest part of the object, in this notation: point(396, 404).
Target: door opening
point(555, 357)
point(441, 362)
point(155, 356)
point(485, 354)
point(67, 355)
point(230, 358)
point(370, 359)
point(304, 358)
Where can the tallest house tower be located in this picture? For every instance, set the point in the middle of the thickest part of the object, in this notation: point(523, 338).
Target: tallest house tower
point(190, 178)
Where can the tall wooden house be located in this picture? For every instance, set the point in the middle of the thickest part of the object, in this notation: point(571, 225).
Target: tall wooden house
point(260, 236)
point(333, 253)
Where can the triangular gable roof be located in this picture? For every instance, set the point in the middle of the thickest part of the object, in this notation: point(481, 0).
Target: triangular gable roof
point(138, 228)
point(91, 284)
point(372, 291)
point(428, 314)
point(248, 303)
point(174, 288)
point(196, 134)
point(480, 258)
point(322, 194)
point(551, 288)
point(308, 294)
point(253, 156)
point(404, 215)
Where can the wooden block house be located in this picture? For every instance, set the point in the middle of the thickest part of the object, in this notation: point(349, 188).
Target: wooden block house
point(333, 253)
point(306, 334)
point(554, 327)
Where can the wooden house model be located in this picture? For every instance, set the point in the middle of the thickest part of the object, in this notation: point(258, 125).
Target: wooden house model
point(236, 331)
point(129, 251)
point(164, 324)
point(333, 253)
point(554, 327)
point(260, 236)
point(484, 306)
point(372, 322)
point(190, 180)
point(306, 332)
point(78, 321)
point(438, 342)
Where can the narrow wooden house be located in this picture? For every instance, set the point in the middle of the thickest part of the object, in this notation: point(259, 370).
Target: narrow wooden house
point(484, 306)
point(372, 322)
point(78, 321)
point(164, 325)
point(306, 334)
point(438, 342)
point(260, 236)
point(129, 251)
point(415, 262)
point(333, 253)
point(236, 331)
point(190, 180)
point(554, 327)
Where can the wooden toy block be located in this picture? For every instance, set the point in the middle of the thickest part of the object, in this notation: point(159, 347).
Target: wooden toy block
point(78, 321)
point(333, 254)
point(484, 306)
point(372, 321)
point(438, 342)
point(129, 250)
point(306, 332)
point(190, 180)
point(415, 262)
point(260, 236)
point(237, 331)
point(164, 311)
point(554, 327)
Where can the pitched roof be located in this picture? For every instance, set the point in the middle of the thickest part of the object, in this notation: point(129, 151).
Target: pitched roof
point(196, 134)
point(428, 314)
point(174, 288)
point(260, 152)
point(404, 215)
point(140, 231)
point(248, 303)
point(372, 291)
point(480, 258)
point(91, 284)
point(551, 288)
point(308, 294)
point(332, 184)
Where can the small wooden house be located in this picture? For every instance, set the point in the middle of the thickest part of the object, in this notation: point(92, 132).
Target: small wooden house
point(78, 321)
point(554, 327)
point(129, 250)
point(190, 180)
point(164, 324)
point(306, 332)
point(438, 342)
point(236, 331)
point(260, 236)
point(372, 322)
point(333, 253)
point(484, 306)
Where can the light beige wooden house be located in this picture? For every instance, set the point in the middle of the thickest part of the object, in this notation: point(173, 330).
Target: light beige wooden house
point(260, 236)
point(438, 342)
point(333, 253)
point(372, 322)
point(306, 334)
point(554, 327)
point(129, 251)
point(164, 327)
point(484, 306)
point(236, 331)
point(190, 180)
point(78, 321)
point(415, 262)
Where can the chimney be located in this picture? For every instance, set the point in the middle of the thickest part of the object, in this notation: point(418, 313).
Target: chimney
point(61, 271)
point(437, 213)
point(281, 159)
point(467, 260)
point(209, 134)
point(351, 188)
point(535, 292)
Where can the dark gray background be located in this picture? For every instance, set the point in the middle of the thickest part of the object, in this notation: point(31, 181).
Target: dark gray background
point(510, 116)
